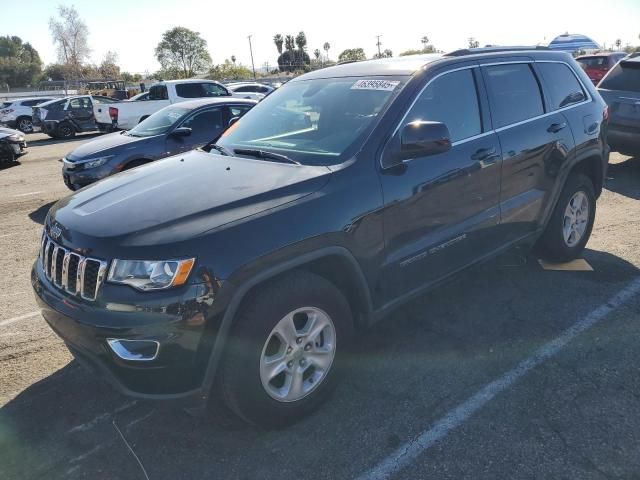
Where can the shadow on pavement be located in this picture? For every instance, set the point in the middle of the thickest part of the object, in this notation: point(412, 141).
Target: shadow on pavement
point(54, 141)
point(40, 213)
point(8, 165)
point(624, 178)
point(402, 375)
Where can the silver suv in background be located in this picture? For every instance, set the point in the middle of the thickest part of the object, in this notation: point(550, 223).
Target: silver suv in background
point(17, 113)
point(252, 90)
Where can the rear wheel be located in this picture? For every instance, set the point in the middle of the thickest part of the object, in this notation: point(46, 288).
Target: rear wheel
point(282, 359)
point(65, 130)
point(25, 125)
point(571, 222)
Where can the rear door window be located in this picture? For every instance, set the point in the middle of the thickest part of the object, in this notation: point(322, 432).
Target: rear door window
point(200, 90)
point(562, 85)
point(453, 100)
point(514, 93)
point(624, 76)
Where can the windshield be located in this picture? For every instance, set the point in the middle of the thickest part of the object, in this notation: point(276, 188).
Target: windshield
point(315, 122)
point(160, 122)
point(624, 76)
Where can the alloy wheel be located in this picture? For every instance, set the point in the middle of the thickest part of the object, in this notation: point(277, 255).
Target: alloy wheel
point(576, 219)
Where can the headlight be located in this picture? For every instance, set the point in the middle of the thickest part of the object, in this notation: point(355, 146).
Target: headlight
point(16, 138)
point(150, 274)
point(97, 162)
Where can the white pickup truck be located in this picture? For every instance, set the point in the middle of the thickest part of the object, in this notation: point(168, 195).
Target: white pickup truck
point(126, 115)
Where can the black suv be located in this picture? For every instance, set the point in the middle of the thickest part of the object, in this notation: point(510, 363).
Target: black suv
point(244, 270)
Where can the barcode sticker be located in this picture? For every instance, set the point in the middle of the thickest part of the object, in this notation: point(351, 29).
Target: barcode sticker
point(385, 85)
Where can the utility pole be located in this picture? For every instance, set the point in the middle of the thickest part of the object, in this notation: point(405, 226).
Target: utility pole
point(379, 44)
point(251, 51)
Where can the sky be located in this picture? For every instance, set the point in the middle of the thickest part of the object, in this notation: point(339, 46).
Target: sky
point(133, 28)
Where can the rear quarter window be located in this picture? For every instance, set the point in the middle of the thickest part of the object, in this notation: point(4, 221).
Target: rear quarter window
point(624, 76)
point(562, 86)
point(200, 90)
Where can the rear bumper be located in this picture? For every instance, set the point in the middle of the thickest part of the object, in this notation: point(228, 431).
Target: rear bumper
point(623, 141)
point(176, 321)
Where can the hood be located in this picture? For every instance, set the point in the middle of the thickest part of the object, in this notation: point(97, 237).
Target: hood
point(7, 132)
point(179, 198)
point(105, 143)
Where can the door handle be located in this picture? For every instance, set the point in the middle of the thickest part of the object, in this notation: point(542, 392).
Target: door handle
point(556, 127)
point(483, 154)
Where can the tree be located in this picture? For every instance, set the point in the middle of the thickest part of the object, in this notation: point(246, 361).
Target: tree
point(425, 41)
point(352, 55)
point(301, 41)
point(229, 71)
point(109, 67)
point(427, 49)
point(278, 40)
point(618, 44)
point(183, 50)
point(316, 53)
point(55, 72)
point(70, 35)
point(289, 43)
point(20, 64)
point(387, 53)
point(473, 43)
point(233, 59)
point(326, 48)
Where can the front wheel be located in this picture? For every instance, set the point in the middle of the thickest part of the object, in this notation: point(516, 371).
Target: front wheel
point(25, 125)
point(571, 222)
point(283, 357)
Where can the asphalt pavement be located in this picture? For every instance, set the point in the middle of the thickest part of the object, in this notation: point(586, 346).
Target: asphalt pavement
point(509, 371)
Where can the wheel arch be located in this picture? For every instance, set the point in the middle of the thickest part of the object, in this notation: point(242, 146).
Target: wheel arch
point(348, 278)
point(592, 166)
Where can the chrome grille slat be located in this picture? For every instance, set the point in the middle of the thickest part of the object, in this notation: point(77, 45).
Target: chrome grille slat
point(60, 267)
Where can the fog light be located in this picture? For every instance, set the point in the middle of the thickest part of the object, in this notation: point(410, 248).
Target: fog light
point(134, 350)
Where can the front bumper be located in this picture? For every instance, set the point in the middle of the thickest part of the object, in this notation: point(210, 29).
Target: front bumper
point(9, 122)
point(76, 179)
point(174, 319)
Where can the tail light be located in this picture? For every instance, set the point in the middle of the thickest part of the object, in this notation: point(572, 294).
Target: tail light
point(113, 113)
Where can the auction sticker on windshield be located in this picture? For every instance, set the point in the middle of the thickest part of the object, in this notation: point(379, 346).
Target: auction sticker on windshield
point(385, 85)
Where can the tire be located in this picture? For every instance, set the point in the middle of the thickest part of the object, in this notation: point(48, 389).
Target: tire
point(554, 244)
point(24, 124)
point(65, 130)
point(301, 300)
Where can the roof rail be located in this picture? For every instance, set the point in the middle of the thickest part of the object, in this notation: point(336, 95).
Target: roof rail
point(491, 49)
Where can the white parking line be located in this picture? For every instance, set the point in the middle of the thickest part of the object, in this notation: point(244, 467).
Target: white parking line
point(407, 453)
point(27, 194)
point(17, 319)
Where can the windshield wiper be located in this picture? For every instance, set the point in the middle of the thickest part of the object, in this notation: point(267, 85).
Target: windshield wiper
point(265, 155)
point(219, 148)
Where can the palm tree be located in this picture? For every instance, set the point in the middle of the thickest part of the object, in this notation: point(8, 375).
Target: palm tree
point(301, 41)
point(473, 43)
point(618, 44)
point(277, 39)
point(425, 41)
point(326, 48)
point(233, 59)
point(316, 53)
point(289, 42)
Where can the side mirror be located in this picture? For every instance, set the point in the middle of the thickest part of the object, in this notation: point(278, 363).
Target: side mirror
point(421, 139)
point(181, 132)
point(233, 120)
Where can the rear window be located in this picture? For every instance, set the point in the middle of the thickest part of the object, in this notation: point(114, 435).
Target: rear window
point(200, 90)
point(563, 86)
point(624, 76)
point(158, 92)
point(514, 93)
point(593, 62)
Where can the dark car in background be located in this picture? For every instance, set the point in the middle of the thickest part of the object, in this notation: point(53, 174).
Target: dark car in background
point(12, 145)
point(172, 130)
point(244, 270)
point(597, 65)
point(620, 88)
point(65, 117)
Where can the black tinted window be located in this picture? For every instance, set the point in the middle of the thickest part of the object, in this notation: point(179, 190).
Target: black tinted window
point(514, 93)
point(158, 92)
point(563, 86)
point(199, 90)
point(624, 76)
point(79, 103)
point(208, 121)
point(451, 99)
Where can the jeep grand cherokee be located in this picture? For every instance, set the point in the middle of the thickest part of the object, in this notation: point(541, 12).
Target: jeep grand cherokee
point(245, 270)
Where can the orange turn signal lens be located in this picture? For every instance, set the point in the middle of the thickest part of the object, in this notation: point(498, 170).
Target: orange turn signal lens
point(184, 269)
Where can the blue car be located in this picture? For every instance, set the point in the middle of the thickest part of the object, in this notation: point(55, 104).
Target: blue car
point(174, 129)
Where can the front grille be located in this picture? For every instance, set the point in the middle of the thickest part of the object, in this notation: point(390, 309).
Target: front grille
point(71, 272)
